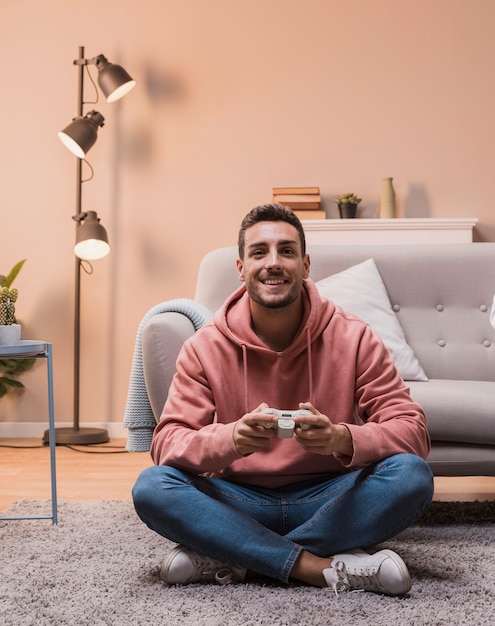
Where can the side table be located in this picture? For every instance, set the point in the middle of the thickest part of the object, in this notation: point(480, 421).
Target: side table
point(30, 349)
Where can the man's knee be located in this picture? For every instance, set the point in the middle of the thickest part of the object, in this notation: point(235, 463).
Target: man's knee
point(414, 473)
point(143, 488)
point(150, 482)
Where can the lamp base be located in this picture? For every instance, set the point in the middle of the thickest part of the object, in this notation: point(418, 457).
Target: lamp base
point(79, 436)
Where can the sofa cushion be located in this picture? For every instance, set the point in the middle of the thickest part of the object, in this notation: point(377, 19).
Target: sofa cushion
point(461, 459)
point(360, 290)
point(458, 410)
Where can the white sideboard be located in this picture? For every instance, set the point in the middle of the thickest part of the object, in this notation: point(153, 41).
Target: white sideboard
point(390, 231)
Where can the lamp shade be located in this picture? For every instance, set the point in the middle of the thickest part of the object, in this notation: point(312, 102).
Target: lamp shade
point(80, 135)
point(91, 237)
point(114, 81)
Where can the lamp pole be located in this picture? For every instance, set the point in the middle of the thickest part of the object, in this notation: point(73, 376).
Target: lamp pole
point(77, 275)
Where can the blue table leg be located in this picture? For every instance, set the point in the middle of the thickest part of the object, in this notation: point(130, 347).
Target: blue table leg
point(51, 427)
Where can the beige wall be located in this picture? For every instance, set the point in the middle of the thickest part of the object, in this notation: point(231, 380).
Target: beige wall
point(233, 98)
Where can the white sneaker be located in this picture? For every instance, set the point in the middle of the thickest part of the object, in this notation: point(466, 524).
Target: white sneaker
point(183, 566)
point(382, 572)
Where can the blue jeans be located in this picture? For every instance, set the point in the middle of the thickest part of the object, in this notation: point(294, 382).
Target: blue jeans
point(264, 530)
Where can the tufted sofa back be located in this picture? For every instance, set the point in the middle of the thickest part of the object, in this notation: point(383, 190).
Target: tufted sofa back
point(441, 293)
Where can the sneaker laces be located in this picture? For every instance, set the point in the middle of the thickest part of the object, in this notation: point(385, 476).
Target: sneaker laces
point(224, 576)
point(341, 579)
point(209, 568)
point(337, 579)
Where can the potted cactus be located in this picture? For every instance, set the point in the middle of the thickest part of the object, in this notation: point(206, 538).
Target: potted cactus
point(10, 331)
point(348, 204)
point(10, 368)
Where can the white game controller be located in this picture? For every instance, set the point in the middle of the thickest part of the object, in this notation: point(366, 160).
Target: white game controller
point(285, 423)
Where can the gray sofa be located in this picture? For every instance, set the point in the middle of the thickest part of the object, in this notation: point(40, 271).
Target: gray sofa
point(441, 296)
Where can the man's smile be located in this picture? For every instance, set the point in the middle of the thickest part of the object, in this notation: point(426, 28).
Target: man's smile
point(274, 281)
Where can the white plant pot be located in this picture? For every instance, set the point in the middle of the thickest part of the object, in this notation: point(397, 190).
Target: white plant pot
point(10, 335)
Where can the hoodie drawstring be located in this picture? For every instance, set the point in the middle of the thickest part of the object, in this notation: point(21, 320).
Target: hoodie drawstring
point(245, 373)
point(310, 363)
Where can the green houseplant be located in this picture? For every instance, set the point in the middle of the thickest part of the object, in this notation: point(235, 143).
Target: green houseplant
point(10, 331)
point(348, 204)
point(8, 298)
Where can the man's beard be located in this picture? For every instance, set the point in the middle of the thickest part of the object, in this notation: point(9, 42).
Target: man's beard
point(275, 303)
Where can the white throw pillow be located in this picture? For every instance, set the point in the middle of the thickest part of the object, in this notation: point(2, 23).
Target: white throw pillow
point(360, 290)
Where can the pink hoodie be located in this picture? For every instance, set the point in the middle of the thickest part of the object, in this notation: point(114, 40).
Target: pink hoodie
point(337, 362)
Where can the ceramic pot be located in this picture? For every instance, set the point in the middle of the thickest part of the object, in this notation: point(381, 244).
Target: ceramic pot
point(10, 334)
point(387, 198)
point(347, 209)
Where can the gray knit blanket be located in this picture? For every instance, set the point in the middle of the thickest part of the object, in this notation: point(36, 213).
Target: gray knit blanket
point(138, 416)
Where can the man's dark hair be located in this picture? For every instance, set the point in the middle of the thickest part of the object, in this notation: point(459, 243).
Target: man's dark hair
point(270, 213)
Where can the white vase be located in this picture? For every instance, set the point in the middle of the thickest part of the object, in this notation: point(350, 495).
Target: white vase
point(10, 334)
point(387, 198)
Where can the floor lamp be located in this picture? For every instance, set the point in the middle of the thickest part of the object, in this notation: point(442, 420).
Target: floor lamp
point(91, 237)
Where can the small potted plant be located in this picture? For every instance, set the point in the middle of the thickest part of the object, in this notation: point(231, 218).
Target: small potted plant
point(10, 331)
point(348, 204)
point(10, 368)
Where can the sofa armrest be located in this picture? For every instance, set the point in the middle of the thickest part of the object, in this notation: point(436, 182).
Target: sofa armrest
point(163, 336)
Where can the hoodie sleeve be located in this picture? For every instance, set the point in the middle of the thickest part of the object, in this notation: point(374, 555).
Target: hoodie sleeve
point(187, 435)
point(390, 422)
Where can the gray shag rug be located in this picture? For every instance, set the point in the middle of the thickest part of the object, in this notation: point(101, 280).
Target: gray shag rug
point(100, 566)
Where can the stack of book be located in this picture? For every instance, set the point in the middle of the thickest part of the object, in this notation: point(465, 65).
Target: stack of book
point(304, 201)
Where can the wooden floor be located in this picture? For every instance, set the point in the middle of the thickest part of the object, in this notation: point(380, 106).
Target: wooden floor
point(107, 472)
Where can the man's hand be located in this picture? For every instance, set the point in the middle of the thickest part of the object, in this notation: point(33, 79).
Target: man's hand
point(249, 433)
point(322, 437)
